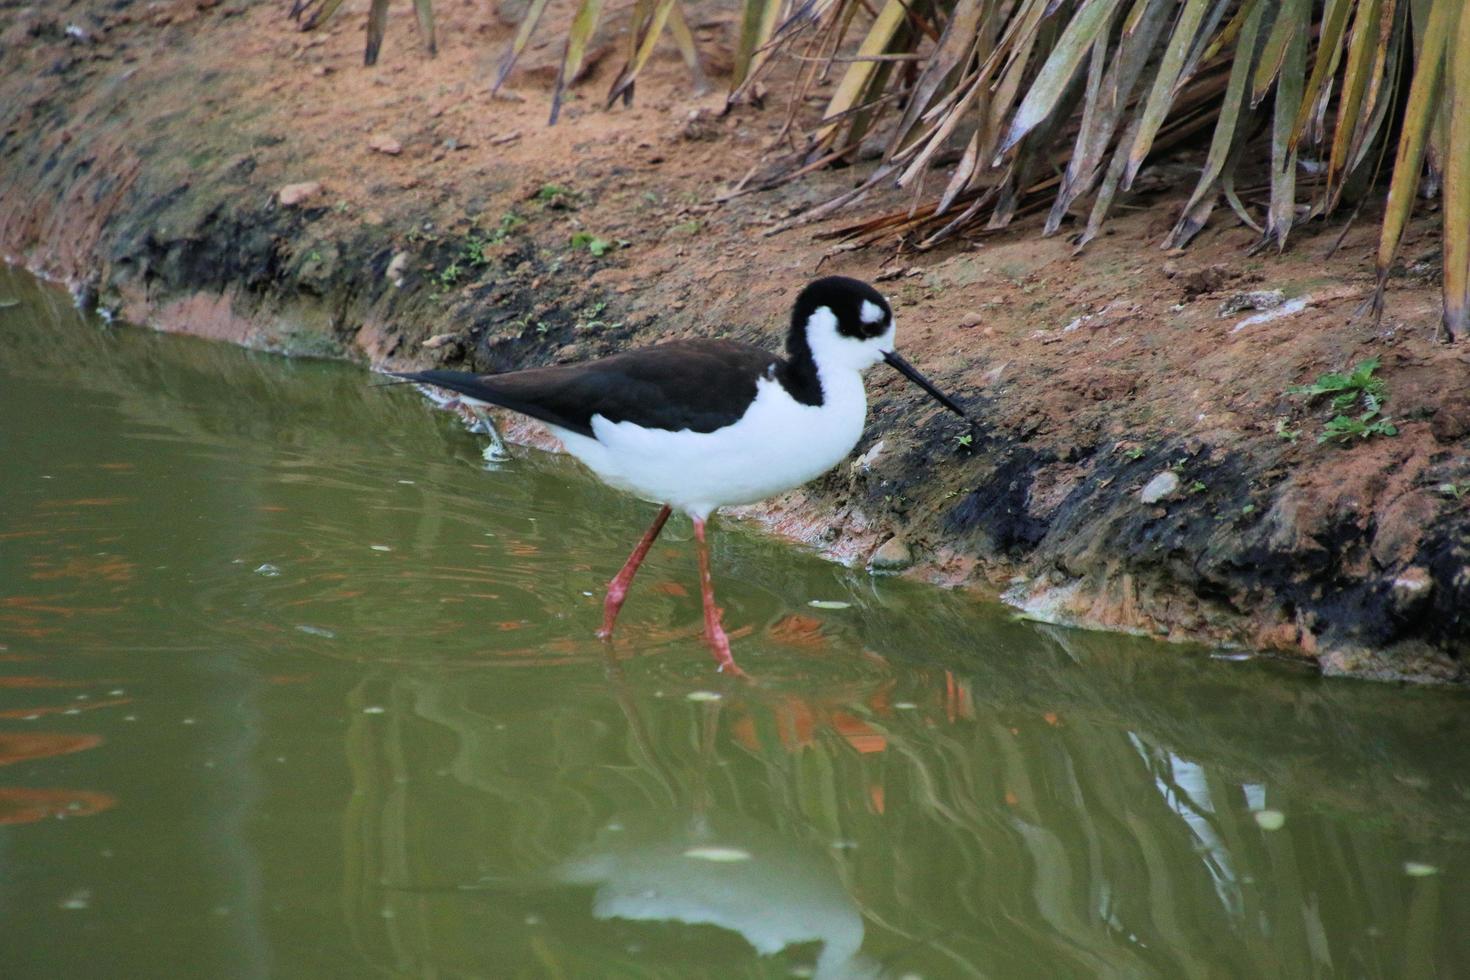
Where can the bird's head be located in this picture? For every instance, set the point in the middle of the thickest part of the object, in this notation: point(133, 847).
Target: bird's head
point(847, 324)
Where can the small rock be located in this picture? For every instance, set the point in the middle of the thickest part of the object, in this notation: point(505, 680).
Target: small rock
point(1451, 419)
point(1256, 299)
point(1170, 268)
point(1205, 280)
point(1161, 486)
point(397, 266)
point(383, 143)
point(439, 340)
point(1410, 589)
point(864, 463)
point(892, 556)
point(699, 125)
point(295, 194)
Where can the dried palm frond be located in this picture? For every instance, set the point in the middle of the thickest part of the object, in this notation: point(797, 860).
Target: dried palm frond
point(311, 14)
point(1013, 90)
point(1029, 101)
point(650, 18)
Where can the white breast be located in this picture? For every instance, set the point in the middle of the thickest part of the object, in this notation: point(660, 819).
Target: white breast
point(777, 444)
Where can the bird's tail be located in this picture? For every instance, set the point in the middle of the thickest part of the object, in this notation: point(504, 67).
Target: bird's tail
point(461, 381)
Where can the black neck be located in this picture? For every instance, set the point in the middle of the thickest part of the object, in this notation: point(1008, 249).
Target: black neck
point(798, 374)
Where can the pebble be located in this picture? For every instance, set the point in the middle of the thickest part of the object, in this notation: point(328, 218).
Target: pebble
point(867, 460)
point(1161, 486)
point(295, 194)
point(1410, 588)
point(1259, 299)
point(397, 266)
point(383, 143)
point(892, 556)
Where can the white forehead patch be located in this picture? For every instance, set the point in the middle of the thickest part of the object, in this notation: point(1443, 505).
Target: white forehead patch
point(871, 312)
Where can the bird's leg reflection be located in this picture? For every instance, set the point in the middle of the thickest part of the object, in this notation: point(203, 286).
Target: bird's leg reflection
point(703, 865)
point(714, 633)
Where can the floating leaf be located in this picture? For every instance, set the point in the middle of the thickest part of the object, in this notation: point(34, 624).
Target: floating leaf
point(717, 854)
point(1270, 819)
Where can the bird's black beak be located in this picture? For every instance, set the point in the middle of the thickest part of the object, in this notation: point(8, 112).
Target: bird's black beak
point(909, 371)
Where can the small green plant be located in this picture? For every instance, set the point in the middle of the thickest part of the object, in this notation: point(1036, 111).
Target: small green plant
point(1359, 389)
point(591, 317)
point(557, 197)
point(1284, 432)
point(474, 250)
point(449, 275)
point(1248, 509)
point(965, 441)
point(1453, 490)
point(1135, 453)
point(1344, 427)
point(509, 222)
point(1348, 389)
point(597, 246)
point(1197, 487)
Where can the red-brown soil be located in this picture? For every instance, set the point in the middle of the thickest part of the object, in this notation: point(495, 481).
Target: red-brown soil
point(143, 161)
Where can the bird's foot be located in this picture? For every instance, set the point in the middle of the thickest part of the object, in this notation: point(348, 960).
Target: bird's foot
point(719, 645)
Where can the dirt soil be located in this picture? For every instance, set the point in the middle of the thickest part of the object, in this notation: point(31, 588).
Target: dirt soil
point(204, 167)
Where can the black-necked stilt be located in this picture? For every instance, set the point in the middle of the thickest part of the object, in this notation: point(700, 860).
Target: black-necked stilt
point(704, 424)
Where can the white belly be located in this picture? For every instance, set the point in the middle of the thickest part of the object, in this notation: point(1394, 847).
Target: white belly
point(778, 444)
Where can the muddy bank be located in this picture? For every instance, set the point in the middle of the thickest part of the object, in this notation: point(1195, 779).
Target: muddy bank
point(1142, 465)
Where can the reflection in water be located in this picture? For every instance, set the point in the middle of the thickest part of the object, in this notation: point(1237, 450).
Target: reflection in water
point(982, 836)
point(725, 871)
point(279, 697)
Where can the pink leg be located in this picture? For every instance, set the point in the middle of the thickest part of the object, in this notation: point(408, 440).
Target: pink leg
point(714, 633)
point(617, 589)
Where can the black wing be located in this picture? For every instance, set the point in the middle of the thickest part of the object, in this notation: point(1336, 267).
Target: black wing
point(701, 385)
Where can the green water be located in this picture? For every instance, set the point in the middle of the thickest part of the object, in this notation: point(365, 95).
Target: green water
point(292, 684)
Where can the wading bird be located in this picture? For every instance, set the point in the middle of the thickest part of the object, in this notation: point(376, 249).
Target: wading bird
point(703, 424)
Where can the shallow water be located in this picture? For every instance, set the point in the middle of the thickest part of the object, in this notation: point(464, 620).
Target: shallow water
point(293, 684)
